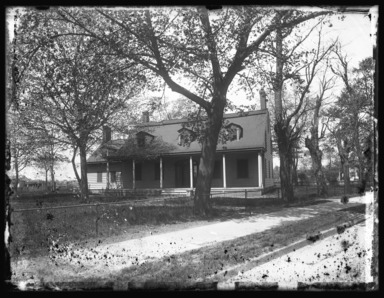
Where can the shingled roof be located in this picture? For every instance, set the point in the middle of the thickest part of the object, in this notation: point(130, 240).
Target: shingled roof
point(254, 125)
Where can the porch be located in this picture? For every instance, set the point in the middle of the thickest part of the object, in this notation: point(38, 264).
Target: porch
point(233, 171)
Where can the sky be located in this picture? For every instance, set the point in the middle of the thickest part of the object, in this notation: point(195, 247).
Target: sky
point(354, 33)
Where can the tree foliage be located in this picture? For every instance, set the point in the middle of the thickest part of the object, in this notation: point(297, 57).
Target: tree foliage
point(71, 86)
point(296, 69)
point(351, 117)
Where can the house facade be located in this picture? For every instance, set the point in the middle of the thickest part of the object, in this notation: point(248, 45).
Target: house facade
point(243, 162)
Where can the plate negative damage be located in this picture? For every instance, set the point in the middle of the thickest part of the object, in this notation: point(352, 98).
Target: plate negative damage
point(191, 148)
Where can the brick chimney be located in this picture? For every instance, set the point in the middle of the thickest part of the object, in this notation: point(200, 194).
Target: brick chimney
point(106, 133)
point(263, 99)
point(145, 117)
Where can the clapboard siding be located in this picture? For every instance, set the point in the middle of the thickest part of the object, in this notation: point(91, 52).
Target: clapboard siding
point(94, 169)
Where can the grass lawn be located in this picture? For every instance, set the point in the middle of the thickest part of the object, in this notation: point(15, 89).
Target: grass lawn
point(34, 232)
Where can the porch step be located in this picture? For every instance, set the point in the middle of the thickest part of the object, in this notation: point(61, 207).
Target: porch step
point(128, 192)
point(178, 192)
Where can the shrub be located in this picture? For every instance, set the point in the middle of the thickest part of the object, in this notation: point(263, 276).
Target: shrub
point(344, 199)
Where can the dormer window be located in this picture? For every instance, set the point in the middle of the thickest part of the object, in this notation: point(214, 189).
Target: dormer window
point(186, 136)
point(234, 132)
point(143, 138)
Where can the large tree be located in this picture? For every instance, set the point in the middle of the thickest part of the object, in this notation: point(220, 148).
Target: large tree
point(207, 47)
point(22, 144)
point(353, 111)
point(75, 89)
point(317, 133)
point(296, 69)
point(48, 153)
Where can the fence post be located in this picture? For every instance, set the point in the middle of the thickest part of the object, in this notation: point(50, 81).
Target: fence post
point(246, 192)
point(97, 220)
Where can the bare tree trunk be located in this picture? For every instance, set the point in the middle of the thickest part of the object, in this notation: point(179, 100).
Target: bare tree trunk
point(294, 171)
point(52, 166)
point(84, 179)
point(46, 178)
point(53, 186)
point(286, 162)
point(16, 164)
point(207, 159)
point(316, 154)
point(316, 157)
point(347, 182)
point(344, 159)
point(281, 128)
point(74, 166)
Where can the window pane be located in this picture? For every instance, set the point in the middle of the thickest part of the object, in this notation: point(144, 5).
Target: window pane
point(99, 177)
point(242, 168)
point(157, 171)
point(113, 177)
point(217, 170)
point(141, 141)
point(138, 171)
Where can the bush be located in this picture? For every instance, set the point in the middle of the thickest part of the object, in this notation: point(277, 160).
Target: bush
point(332, 176)
point(303, 179)
point(344, 199)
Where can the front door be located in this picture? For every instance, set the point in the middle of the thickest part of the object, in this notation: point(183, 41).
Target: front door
point(182, 173)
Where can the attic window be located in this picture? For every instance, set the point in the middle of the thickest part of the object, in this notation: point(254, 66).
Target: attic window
point(186, 136)
point(234, 132)
point(143, 138)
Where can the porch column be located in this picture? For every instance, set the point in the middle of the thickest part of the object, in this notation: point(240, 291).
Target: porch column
point(260, 168)
point(133, 175)
point(107, 171)
point(161, 172)
point(191, 171)
point(107, 175)
point(224, 173)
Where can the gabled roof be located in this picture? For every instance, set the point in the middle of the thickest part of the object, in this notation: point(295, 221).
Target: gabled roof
point(254, 125)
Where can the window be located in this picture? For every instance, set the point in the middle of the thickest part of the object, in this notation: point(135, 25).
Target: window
point(265, 140)
point(217, 170)
point(157, 170)
point(113, 177)
point(234, 132)
point(265, 168)
point(141, 141)
point(242, 168)
point(143, 138)
point(138, 171)
point(186, 137)
point(99, 177)
point(270, 169)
